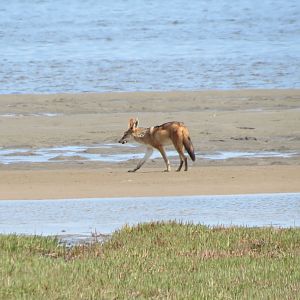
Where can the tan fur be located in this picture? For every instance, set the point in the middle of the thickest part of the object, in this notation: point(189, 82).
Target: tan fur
point(157, 137)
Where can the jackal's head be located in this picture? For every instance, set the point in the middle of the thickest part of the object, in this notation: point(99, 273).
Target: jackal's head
point(132, 126)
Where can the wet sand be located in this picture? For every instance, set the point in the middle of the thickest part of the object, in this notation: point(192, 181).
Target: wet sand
point(248, 120)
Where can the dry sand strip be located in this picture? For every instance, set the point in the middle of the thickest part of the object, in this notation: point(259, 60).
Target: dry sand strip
point(209, 180)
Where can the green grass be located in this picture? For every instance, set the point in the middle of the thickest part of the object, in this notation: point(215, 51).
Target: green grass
point(158, 261)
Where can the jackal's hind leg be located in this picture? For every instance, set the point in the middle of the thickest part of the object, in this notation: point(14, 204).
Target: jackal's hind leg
point(182, 158)
point(144, 159)
point(180, 166)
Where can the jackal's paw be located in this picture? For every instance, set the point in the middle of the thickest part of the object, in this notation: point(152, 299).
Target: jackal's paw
point(167, 170)
point(132, 171)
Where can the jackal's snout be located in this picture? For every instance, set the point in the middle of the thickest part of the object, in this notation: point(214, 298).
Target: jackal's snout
point(121, 141)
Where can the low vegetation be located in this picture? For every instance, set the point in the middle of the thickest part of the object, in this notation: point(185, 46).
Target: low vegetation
point(156, 261)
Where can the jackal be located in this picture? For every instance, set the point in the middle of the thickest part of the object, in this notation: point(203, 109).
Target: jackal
point(157, 137)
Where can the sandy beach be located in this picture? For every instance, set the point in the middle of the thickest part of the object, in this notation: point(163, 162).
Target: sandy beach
point(231, 121)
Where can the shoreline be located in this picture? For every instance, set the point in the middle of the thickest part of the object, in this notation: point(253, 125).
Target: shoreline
point(234, 120)
point(91, 183)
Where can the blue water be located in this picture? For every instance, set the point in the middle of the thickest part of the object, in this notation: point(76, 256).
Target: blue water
point(105, 215)
point(49, 46)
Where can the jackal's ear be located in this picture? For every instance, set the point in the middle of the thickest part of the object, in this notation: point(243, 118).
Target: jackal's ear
point(136, 122)
point(131, 123)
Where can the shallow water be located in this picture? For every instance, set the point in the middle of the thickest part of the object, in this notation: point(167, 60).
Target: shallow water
point(102, 153)
point(126, 45)
point(82, 217)
point(42, 114)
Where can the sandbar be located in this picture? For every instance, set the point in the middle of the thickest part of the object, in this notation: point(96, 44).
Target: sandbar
point(239, 120)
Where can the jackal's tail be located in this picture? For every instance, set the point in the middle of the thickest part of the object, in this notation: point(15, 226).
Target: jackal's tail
point(188, 145)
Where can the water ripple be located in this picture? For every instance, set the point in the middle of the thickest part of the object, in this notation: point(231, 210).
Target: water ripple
point(102, 46)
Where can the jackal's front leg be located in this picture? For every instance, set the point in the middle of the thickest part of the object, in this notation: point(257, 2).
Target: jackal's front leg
point(144, 159)
point(164, 155)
